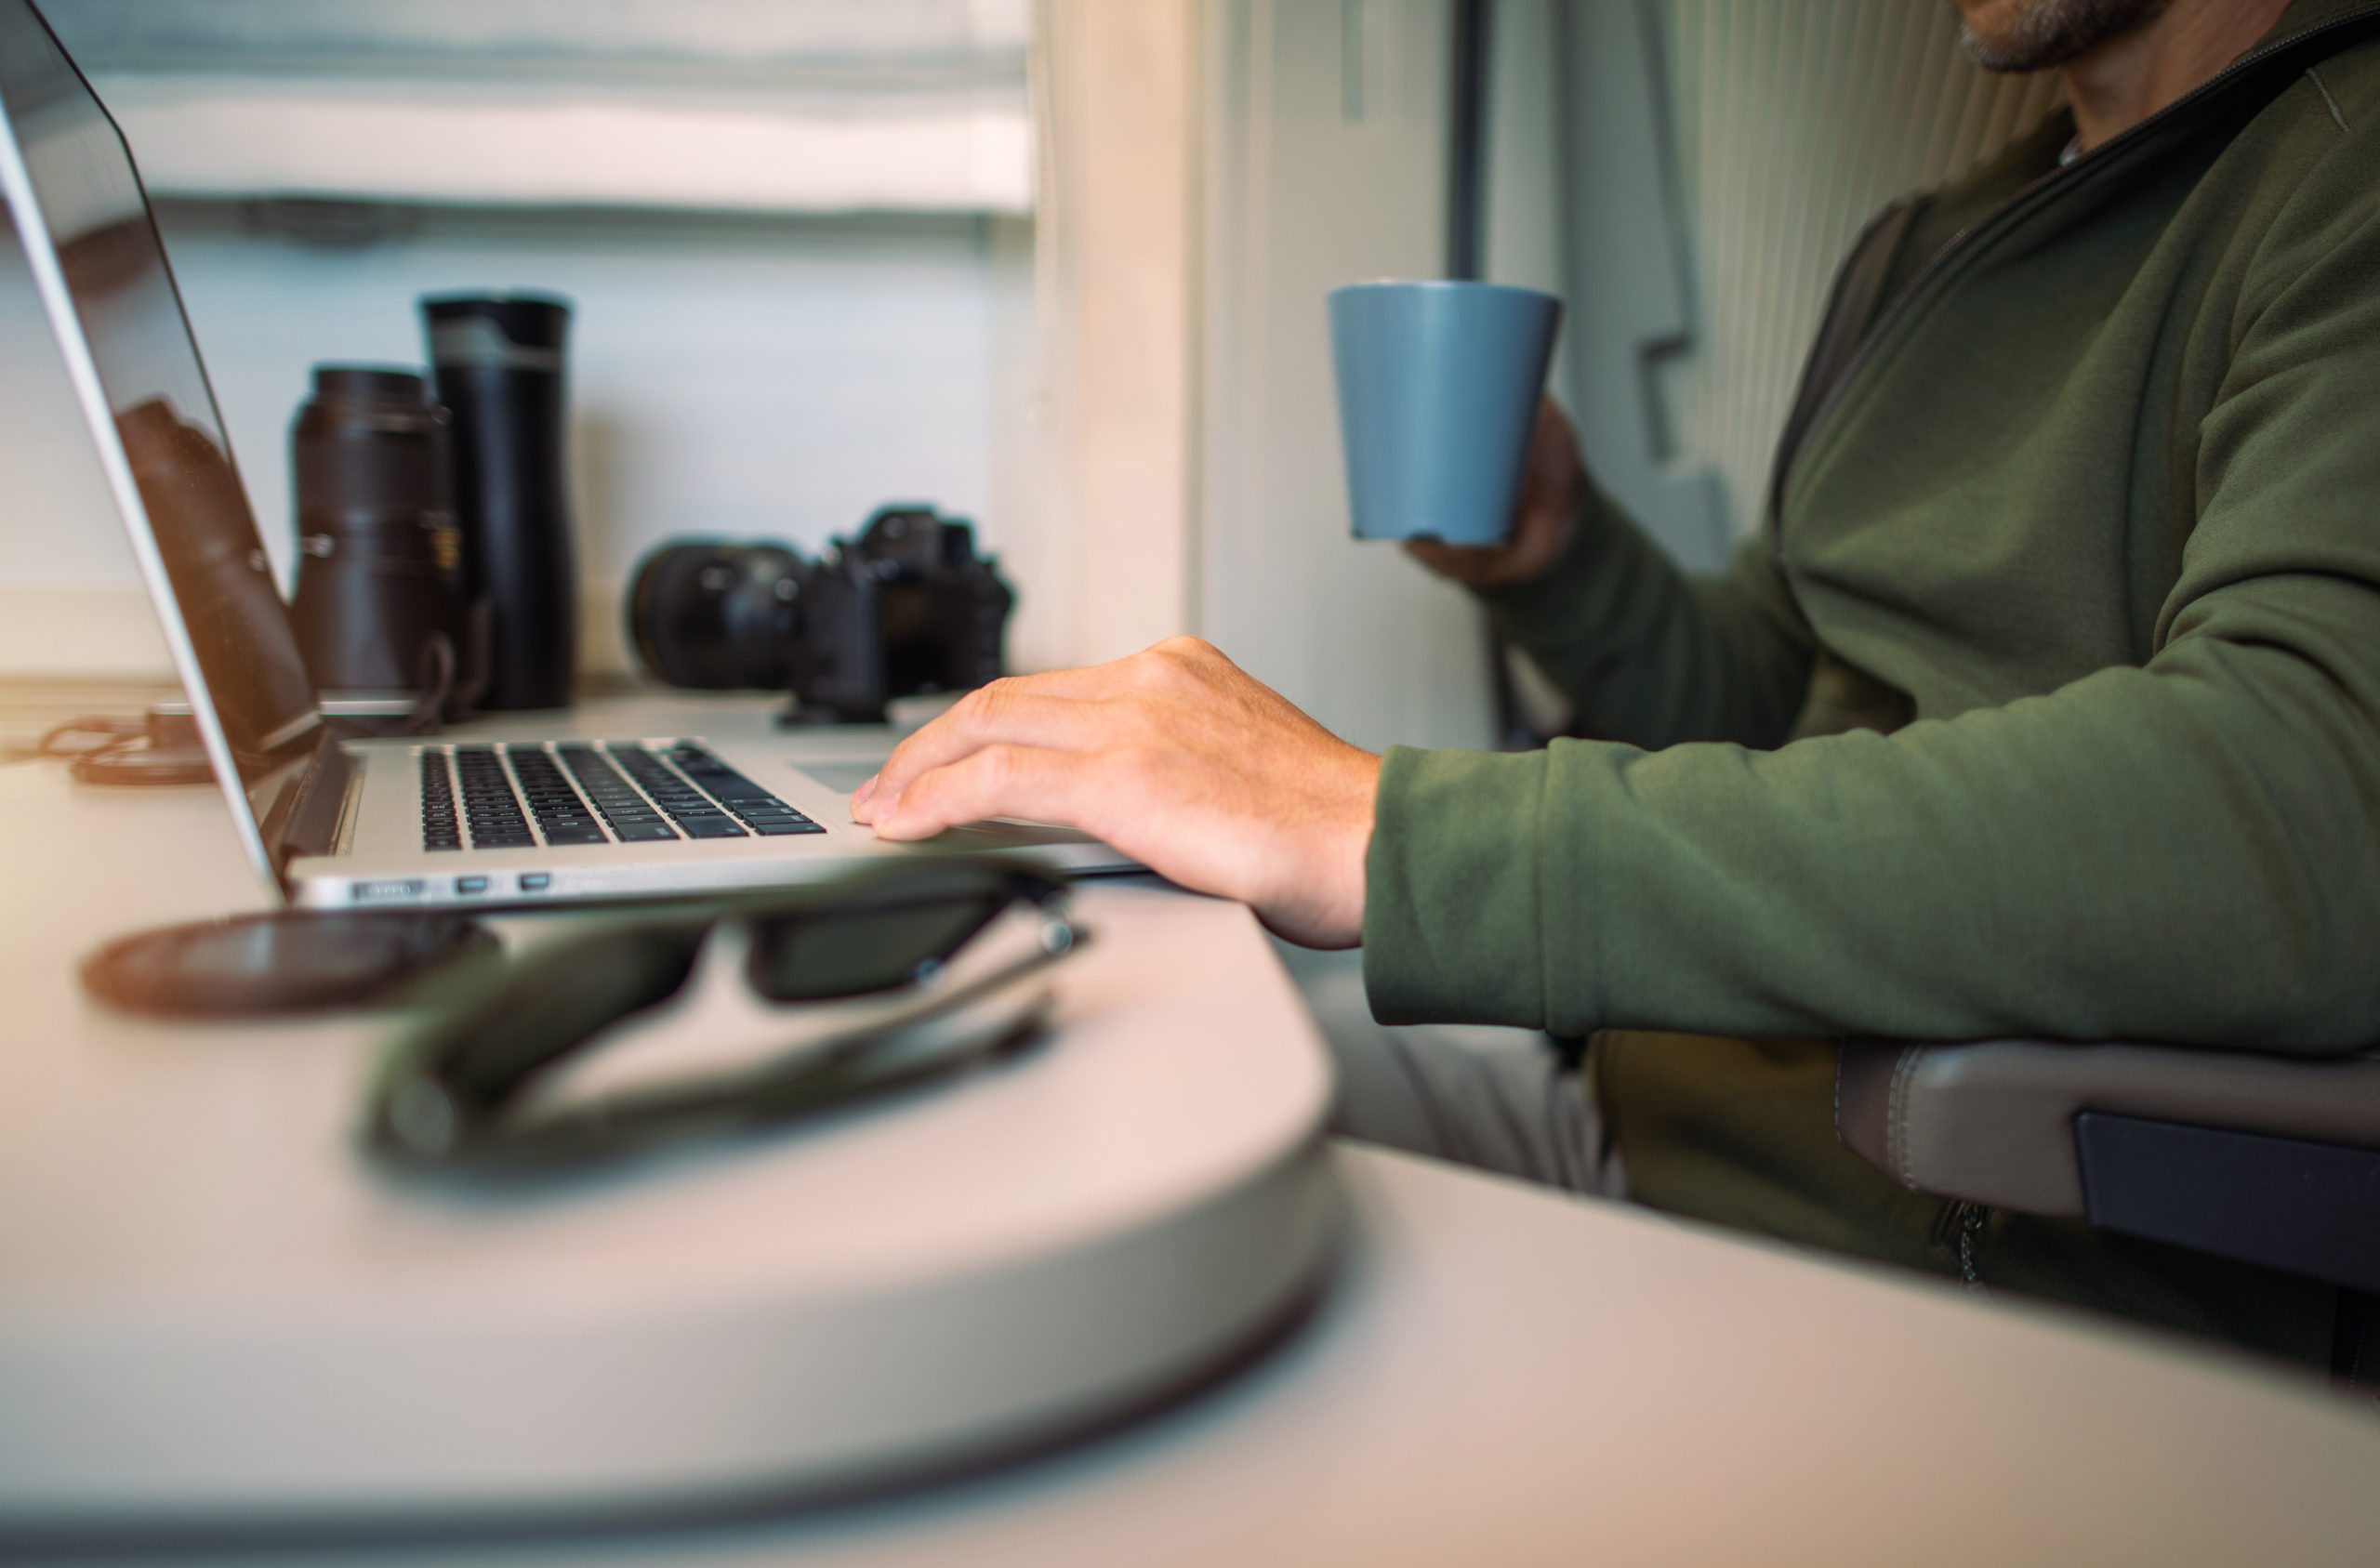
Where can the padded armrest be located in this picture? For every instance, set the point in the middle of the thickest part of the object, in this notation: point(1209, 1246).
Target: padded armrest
point(1994, 1122)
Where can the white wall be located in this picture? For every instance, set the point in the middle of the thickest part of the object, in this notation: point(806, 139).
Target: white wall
point(1326, 164)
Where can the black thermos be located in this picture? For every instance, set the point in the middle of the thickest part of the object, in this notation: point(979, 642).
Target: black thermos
point(499, 359)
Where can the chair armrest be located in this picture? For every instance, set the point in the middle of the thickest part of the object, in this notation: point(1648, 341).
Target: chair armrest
point(1994, 1122)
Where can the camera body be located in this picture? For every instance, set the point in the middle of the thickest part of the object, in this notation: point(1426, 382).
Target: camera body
point(906, 608)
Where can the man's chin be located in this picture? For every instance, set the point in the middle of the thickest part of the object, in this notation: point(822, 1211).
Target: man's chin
point(2024, 35)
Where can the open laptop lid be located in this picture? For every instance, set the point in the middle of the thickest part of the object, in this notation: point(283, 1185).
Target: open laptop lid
point(92, 245)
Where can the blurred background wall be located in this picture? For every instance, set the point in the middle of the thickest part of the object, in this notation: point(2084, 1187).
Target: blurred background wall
point(799, 234)
point(1058, 266)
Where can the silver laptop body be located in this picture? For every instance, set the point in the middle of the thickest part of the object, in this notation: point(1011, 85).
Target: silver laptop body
point(424, 822)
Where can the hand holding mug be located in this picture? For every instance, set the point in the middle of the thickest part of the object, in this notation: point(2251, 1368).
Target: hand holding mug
point(1542, 522)
point(1439, 384)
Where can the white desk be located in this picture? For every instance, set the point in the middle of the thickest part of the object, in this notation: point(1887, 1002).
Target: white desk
point(1498, 1374)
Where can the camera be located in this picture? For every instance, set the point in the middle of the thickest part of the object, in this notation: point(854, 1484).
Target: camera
point(906, 608)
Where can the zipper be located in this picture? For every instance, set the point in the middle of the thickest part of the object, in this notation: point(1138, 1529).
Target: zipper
point(1971, 1218)
point(1874, 339)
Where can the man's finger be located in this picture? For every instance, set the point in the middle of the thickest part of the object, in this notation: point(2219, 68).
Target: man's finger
point(1000, 779)
point(1017, 713)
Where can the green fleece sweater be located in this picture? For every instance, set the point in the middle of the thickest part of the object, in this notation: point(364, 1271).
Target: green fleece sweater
point(2048, 705)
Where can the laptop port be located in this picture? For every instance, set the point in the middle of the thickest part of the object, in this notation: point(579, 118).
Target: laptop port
point(470, 884)
point(535, 881)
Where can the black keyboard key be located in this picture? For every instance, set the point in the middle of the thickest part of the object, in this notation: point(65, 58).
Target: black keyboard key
point(439, 827)
point(631, 817)
point(705, 796)
point(563, 816)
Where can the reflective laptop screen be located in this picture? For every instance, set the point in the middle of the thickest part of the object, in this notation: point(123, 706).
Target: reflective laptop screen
point(131, 316)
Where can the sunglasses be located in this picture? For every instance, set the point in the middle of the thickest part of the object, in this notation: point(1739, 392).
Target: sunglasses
point(736, 1015)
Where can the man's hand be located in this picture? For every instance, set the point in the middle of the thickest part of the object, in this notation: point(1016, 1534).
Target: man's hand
point(1541, 524)
point(1174, 756)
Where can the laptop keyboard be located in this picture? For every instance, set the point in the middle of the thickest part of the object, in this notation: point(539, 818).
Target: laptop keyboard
point(594, 792)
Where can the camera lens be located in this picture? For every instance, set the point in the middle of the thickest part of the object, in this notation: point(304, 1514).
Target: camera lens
point(378, 574)
point(719, 616)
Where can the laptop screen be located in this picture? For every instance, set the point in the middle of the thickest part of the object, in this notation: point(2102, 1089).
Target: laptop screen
point(187, 494)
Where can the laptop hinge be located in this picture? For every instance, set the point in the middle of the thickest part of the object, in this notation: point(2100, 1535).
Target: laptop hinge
point(304, 818)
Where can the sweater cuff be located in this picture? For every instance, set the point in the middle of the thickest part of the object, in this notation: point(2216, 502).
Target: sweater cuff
point(1452, 924)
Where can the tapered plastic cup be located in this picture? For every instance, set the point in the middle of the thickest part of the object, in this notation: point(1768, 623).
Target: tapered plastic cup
point(1438, 386)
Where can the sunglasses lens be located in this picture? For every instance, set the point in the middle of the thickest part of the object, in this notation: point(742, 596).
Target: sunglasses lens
point(798, 958)
point(551, 1005)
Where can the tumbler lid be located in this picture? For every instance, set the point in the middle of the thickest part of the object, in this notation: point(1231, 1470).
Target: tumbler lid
point(496, 328)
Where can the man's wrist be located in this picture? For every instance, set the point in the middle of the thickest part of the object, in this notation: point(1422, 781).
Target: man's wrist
point(1320, 903)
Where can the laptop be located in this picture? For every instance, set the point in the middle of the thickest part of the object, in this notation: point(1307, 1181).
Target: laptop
point(341, 823)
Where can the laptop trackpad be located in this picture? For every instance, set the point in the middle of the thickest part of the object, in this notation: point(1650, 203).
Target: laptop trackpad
point(845, 777)
point(841, 777)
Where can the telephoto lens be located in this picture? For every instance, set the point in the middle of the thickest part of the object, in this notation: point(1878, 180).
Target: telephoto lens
point(717, 617)
point(378, 611)
point(499, 359)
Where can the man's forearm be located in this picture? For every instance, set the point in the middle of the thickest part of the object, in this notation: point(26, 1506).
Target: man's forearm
point(2183, 853)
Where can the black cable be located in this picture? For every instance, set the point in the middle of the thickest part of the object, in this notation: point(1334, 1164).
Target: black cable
point(115, 733)
point(137, 752)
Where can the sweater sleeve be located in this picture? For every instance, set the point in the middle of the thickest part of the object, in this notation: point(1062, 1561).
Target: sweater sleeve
point(1651, 656)
point(2186, 850)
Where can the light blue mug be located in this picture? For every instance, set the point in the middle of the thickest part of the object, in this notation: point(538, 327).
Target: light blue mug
point(1438, 387)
